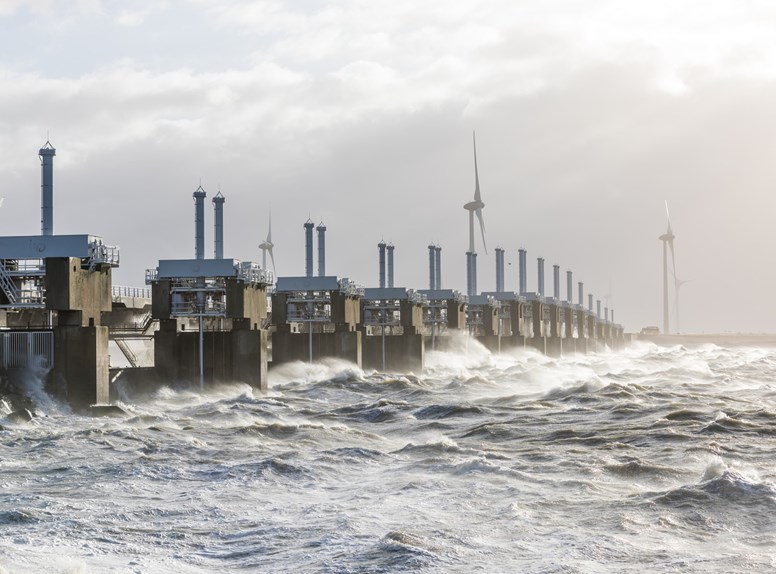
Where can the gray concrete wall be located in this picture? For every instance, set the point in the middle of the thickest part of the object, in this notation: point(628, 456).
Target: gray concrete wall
point(287, 346)
point(80, 296)
point(403, 353)
point(81, 364)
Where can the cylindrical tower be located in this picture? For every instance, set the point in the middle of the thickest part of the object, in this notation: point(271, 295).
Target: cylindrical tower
point(556, 282)
point(431, 267)
point(521, 260)
point(321, 229)
point(438, 267)
point(590, 302)
point(218, 213)
point(46, 154)
point(308, 248)
point(199, 223)
point(581, 286)
point(540, 278)
point(598, 308)
point(499, 270)
point(381, 263)
point(390, 265)
point(569, 288)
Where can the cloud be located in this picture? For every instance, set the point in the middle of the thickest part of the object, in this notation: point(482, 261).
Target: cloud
point(588, 116)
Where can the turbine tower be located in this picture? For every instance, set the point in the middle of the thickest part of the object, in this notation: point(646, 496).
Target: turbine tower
point(668, 243)
point(474, 208)
point(266, 246)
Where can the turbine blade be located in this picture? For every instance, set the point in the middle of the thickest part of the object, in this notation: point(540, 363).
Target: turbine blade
point(668, 219)
point(482, 229)
point(269, 235)
point(272, 258)
point(477, 196)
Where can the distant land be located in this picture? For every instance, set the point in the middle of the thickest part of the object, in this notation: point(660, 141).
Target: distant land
point(721, 339)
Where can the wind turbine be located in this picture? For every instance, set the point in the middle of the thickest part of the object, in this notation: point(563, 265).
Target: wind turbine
point(474, 208)
point(668, 242)
point(267, 245)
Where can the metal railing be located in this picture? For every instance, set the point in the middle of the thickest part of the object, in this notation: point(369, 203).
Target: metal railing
point(350, 288)
point(253, 273)
point(192, 309)
point(119, 292)
point(101, 253)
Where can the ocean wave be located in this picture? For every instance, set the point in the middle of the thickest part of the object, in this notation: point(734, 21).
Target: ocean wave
point(445, 411)
point(637, 469)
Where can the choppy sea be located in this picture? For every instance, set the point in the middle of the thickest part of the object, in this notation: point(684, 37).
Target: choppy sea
point(647, 460)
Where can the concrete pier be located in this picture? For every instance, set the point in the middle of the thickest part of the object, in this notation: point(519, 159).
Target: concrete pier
point(444, 314)
point(316, 317)
point(211, 315)
point(483, 318)
point(392, 329)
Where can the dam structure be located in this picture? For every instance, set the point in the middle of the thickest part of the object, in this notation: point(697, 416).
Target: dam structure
point(207, 320)
point(211, 312)
point(392, 322)
point(315, 317)
point(53, 292)
point(444, 312)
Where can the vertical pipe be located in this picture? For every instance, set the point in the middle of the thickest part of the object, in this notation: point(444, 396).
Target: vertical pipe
point(471, 274)
point(199, 223)
point(569, 288)
point(590, 302)
point(556, 282)
point(540, 278)
point(581, 286)
point(499, 270)
point(612, 315)
point(598, 308)
point(431, 265)
point(390, 266)
point(606, 314)
point(218, 213)
point(321, 249)
point(46, 155)
point(381, 263)
point(521, 271)
point(308, 248)
point(438, 266)
point(201, 354)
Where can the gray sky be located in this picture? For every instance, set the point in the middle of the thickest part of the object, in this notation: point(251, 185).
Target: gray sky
point(588, 116)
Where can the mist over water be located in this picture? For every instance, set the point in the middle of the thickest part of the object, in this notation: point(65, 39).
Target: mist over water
point(652, 459)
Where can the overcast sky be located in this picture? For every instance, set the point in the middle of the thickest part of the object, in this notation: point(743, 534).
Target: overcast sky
point(589, 115)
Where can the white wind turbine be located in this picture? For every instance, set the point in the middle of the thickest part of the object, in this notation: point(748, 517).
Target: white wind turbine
point(266, 246)
point(474, 208)
point(668, 243)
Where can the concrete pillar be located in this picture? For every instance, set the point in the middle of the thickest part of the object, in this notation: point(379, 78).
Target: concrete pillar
point(539, 339)
point(81, 365)
point(555, 338)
